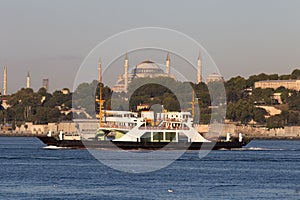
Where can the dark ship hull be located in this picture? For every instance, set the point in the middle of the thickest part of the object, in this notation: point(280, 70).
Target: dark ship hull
point(143, 145)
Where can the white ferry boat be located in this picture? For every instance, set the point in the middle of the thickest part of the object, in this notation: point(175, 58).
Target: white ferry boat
point(125, 130)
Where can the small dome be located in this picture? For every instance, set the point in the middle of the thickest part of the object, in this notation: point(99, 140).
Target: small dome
point(214, 77)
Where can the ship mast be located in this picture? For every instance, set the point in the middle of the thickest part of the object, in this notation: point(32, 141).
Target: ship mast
point(193, 104)
point(100, 104)
point(100, 100)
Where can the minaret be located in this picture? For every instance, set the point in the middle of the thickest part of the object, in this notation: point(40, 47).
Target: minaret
point(4, 81)
point(46, 84)
point(168, 65)
point(99, 71)
point(199, 71)
point(126, 65)
point(28, 80)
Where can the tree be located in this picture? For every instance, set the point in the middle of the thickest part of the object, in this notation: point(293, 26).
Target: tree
point(273, 77)
point(294, 102)
point(276, 121)
point(53, 115)
point(295, 74)
point(259, 115)
point(86, 94)
point(293, 118)
point(285, 77)
point(264, 95)
point(171, 104)
point(230, 113)
point(254, 78)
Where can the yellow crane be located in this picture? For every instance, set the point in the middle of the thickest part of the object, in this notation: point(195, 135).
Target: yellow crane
point(193, 104)
point(101, 102)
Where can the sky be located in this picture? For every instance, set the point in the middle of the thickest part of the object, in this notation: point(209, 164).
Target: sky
point(52, 38)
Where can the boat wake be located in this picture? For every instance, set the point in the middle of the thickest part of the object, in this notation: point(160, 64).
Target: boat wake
point(260, 149)
point(255, 149)
point(51, 147)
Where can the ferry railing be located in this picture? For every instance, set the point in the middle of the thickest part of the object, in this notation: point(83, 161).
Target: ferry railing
point(162, 128)
point(116, 126)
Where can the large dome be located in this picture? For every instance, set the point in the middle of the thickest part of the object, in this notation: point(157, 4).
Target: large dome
point(147, 68)
point(147, 65)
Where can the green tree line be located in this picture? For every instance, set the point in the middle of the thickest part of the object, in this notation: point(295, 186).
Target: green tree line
point(242, 100)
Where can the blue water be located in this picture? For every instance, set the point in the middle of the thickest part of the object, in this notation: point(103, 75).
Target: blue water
point(264, 170)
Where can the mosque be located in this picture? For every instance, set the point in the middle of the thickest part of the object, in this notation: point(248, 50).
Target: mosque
point(144, 69)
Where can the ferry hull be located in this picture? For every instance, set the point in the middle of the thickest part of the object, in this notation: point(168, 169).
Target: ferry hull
point(114, 145)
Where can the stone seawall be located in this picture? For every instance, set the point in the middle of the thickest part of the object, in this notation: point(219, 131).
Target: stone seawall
point(289, 132)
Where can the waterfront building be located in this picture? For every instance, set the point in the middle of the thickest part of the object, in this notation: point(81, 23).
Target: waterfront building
point(288, 84)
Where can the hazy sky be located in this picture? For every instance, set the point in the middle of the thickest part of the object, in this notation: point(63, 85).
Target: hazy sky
point(51, 38)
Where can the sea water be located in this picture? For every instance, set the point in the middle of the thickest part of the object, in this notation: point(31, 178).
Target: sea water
point(265, 169)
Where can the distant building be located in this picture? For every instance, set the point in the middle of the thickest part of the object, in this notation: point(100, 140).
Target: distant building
point(144, 69)
point(248, 91)
point(214, 77)
point(46, 83)
point(28, 80)
point(277, 97)
point(288, 84)
point(65, 91)
point(143, 107)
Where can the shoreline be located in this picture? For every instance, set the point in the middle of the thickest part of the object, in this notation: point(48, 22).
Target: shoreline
point(19, 135)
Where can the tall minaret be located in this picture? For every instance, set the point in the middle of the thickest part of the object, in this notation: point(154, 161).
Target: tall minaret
point(99, 71)
point(168, 64)
point(4, 81)
point(126, 65)
point(28, 80)
point(199, 71)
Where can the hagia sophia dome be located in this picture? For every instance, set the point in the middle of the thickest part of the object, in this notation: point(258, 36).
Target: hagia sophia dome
point(147, 68)
point(144, 69)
